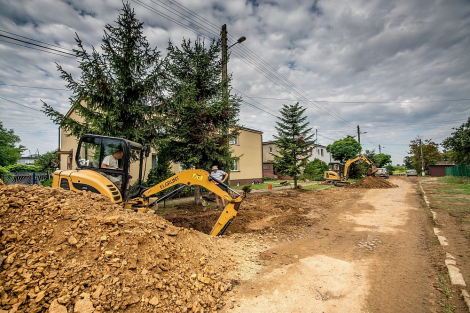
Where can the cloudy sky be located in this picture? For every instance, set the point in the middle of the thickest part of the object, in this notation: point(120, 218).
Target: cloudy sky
point(398, 69)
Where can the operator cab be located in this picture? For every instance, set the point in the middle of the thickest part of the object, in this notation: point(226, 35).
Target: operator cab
point(336, 167)
point(93, 149)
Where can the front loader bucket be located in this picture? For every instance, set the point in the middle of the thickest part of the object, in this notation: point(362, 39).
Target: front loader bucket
point(372, 170)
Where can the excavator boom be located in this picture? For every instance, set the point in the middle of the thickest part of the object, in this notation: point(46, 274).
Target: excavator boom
point(338, 180)
point(202, 178)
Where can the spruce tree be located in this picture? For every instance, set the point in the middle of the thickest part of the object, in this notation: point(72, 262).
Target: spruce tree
point(199, 112)
point(119, 91)
point(294, 141)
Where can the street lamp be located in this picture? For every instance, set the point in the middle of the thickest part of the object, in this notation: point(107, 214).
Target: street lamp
point(240, 40)
point(224, 51)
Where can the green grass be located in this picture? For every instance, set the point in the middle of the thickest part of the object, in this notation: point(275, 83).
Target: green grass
point(443, 283)
point(450, 199)
point(274, 183)
point(317, 187)
point(454, 180)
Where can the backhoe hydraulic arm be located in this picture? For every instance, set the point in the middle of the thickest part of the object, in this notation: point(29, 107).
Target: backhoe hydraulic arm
point(202, 178)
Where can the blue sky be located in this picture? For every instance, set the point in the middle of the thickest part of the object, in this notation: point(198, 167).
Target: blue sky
point(399, 69)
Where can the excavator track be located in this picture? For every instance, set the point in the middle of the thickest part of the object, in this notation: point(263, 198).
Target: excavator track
point(340, 183)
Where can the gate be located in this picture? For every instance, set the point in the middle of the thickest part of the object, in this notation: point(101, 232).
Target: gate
point(25, 178)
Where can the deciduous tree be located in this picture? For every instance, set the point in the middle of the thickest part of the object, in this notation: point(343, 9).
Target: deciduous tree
point(294, 141)
point(431, 154)
point(10, 150)
point(47, 162)
point(344, 149)
point(408, 162)
point(459, 144)
point(382, 160)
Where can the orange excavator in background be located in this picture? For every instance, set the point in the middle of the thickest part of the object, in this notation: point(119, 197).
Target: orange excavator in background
point(113, 182)
point(339, 178)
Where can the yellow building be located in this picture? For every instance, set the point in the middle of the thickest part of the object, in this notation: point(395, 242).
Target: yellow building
point(248, 146)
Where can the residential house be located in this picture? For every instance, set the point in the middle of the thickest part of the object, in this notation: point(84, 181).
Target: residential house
point(269, 148)
point(28, 160)
point(246, 170)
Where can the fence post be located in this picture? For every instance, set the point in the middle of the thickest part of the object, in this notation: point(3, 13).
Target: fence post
point(34, 178)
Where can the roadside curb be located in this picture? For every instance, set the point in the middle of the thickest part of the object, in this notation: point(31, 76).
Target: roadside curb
point(456, 277)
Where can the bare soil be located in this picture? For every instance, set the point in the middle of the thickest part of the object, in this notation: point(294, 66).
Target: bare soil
point(337, 250)
point(372, 182)
point(368, 253)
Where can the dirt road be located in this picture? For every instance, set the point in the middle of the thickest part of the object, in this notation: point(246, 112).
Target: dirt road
point(369, 254)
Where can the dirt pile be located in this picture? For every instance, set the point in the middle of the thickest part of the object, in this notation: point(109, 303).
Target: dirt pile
point(65, 251)
point(372, 182)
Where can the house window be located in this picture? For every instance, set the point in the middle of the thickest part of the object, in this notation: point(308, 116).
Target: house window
point(234, 141)
point(321, 152)
point(180, 167)
point(154, 160)
point(235, 166)
point(266, 167)
point(270, 149)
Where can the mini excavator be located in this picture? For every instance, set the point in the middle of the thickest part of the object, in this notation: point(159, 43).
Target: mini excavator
point(338, 178)
point(113, 183)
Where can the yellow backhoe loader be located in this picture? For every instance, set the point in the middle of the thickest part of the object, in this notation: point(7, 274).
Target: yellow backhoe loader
point(97, 174)
point(339, 178)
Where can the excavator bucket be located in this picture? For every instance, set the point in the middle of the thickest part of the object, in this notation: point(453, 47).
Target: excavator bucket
point(372, 170)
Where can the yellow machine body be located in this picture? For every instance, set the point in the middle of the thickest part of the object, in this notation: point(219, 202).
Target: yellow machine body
point(337, 176)
point(88, 180)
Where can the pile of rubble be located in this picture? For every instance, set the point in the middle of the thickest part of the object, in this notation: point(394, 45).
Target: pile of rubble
point(64, 251)
point(372, 182)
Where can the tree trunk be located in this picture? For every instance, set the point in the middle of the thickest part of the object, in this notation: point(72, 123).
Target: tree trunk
point(197, 195)
point(295, 181)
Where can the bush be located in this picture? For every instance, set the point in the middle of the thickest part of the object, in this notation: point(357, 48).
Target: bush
point(47, 183)
point(314, 170)
point(3, 170)
point(390, 169)
point(18, 168)
point(269, 178)
point(246, 189)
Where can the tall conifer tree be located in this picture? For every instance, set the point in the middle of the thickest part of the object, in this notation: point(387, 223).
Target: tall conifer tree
point(199, 111)
point(294, 141)
point(119, 90)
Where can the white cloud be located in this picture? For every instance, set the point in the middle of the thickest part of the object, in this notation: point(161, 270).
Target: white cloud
point(405, 52)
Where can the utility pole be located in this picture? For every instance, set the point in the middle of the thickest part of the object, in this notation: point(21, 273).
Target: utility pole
point(224, 55)
point(422, 158)
point(358, 134)
point(316, 135)
point(380, 149)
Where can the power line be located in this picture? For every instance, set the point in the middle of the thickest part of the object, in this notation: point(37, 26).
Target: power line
point(415, 124)
point(264, 70)
point(36, 40)
point(34, 44)
point(256, 101)
point(35, 87)
point(14, 43)
point(168, 17)
point(21, 104)
point(254, 106)
point(429, 101)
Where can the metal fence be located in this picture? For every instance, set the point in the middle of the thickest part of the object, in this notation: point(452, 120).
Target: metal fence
point(461, 170)
point(25, 178)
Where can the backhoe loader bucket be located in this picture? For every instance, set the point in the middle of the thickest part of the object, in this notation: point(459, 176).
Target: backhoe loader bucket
point(372, 170)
